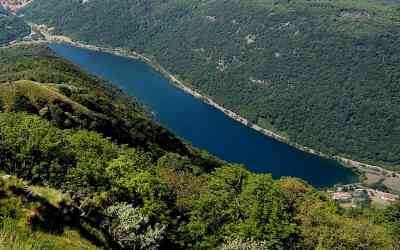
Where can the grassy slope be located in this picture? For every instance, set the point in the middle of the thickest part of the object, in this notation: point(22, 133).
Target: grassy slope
point(36, 91)
point(323, 72)
point(20, 206)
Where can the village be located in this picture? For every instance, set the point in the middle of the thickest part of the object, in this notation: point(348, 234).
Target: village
point(14, 5)
point(358, 195)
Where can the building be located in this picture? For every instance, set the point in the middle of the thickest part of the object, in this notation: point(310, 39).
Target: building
point(388, 197)
point(342, 197)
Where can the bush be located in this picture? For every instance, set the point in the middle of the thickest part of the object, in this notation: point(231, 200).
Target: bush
point(22, 103)
point(132, 230)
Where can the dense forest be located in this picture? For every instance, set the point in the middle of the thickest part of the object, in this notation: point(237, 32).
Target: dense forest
point(11, 27)
point(323, 73)
point(81, 186)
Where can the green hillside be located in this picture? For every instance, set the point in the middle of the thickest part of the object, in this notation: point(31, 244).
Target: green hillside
point(32, 79)
point(32, 219)
point(11, 27)
point(81, 187)
point(325, 73)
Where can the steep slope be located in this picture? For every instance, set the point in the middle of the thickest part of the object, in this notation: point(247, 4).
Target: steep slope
point(32, 218)
point(11, 27)
point(324, 73)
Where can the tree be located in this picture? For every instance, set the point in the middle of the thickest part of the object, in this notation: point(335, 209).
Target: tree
point(238, 203)
point(391, 217)
point(175, 162)
point(127, 165)
point(321, 227)
point(240, 244)
point(23, 104)
point(131, 230)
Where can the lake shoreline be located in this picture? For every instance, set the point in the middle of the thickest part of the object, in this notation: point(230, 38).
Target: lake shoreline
point(361, 169)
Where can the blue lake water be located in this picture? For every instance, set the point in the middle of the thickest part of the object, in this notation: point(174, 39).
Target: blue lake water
point(204, 126)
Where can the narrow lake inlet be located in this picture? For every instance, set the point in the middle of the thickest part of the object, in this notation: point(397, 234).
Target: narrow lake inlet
point(203, 125)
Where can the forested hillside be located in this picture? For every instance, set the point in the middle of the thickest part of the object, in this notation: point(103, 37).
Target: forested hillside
point(11, 27)
point(324, 73)
point(81, 183)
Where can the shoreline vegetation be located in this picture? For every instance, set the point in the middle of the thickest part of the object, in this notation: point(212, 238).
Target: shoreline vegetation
point(366, 172)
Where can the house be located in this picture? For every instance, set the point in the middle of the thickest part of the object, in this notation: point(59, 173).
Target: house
point(342, 197)
point(388, 197)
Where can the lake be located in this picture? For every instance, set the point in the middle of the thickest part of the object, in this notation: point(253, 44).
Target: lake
point(205, 126)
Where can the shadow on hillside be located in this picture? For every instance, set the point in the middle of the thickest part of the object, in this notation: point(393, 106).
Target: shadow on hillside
point(54, 219)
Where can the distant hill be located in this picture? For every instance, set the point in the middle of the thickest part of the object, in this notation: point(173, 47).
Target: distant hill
point(324, 73)
point(11, 27)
